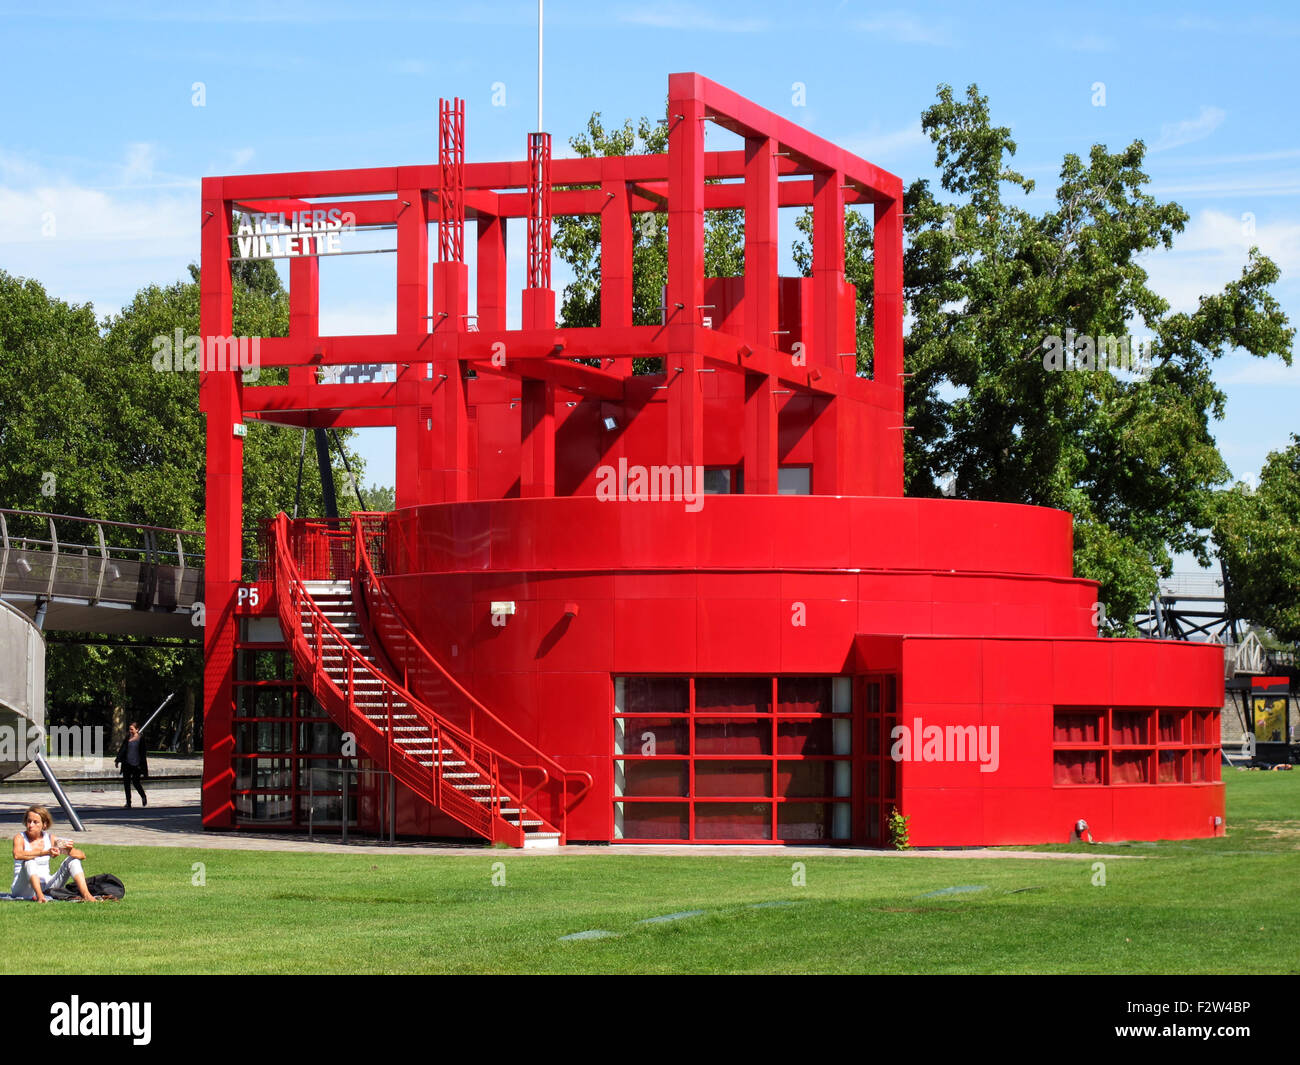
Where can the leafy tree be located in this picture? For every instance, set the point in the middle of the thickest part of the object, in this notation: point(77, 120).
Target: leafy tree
point(987, 283)
point(577, 239)
point(1258, 539)
point(125, 442)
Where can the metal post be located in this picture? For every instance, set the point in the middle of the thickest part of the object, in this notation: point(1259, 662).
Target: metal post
point(54, 562)
point(539, 66)
point(343, 814)
point(52, 781)
point(4, 558)
point(103, 563)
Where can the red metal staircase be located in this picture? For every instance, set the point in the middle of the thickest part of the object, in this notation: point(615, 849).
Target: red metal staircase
point(350, 643)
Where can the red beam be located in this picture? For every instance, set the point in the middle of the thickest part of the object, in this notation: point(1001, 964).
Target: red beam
point(268, 398)
point(734, 112)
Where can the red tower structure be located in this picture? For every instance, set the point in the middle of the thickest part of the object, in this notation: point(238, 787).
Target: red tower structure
point(685, 605)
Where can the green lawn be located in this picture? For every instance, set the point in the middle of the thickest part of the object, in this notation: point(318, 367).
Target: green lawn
point(1213, 906)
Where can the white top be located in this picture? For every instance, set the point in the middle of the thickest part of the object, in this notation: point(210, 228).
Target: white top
point(22, 885)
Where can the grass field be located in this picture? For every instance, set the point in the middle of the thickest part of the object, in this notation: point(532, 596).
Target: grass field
point(1211, 906)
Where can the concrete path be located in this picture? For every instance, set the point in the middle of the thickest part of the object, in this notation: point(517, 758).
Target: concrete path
point(172, 820)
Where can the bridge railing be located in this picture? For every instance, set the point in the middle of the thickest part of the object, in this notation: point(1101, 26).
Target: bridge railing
point(150, 567)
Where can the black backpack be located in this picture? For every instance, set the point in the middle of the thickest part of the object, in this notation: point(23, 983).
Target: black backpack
point(101, 885)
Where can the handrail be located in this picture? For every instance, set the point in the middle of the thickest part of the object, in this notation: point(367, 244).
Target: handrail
point(291, 598)
point(463, 744)
point(364, 566)
point(98, 521)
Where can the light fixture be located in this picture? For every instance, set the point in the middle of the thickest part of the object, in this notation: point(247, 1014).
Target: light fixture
point(25, 566)
point(114, 574)
point(610, 422)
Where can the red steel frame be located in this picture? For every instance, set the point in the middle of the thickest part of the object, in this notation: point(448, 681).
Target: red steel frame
point(759, 373)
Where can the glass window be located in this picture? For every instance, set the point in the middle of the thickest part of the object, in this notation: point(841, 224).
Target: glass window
point(264, 807)
point(733, 779)
point(733, 737)
point(262, 773)
point(659, 778)
point(1130, 727)
point(813, 821)
point(1130, 767)
point(651, 736)
point(803, 695)
point(733, 695)
point(1077, 726)
point(652, 695)
point(794, 480)
point(256, 737)
point(1171, 767)
point(1171, 726)
point(651, 820)
point(718, 481)
point(813, 736)
point(807, 779)
point(742, 821)
point(263, 701)
point(1078, 767)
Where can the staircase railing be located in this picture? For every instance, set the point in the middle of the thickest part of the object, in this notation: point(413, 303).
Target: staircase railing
point(309, 644)
point(558, 789)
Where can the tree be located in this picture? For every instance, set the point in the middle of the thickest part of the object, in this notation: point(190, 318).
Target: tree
point(988, 284)
point(577, 239)
point(86, 414)
point(1257, 534)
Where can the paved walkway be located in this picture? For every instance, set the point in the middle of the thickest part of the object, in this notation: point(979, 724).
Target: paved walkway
point(172, 820)
point(69, 770)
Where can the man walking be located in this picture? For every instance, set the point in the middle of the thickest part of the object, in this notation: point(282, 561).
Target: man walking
point(134, 762)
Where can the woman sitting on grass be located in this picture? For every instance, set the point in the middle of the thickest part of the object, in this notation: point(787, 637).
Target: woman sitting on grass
point(33, 849)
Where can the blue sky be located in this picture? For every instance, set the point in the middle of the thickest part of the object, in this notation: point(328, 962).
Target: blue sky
point(102, 148)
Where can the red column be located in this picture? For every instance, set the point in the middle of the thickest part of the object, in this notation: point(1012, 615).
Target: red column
point(616, 292)
point(888, 333)
point(685, 269)
point(491, 272)
point(219, 398)
point(827, 267)
point(762, 311)
point(304, 313)
point(537, 408)
point(413, 325)
point(828, 275)
point(449, 450)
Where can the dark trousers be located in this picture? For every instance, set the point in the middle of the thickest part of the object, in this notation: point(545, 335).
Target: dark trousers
point(131, 774)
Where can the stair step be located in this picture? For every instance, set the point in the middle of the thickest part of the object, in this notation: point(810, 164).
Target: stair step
point(410, 734)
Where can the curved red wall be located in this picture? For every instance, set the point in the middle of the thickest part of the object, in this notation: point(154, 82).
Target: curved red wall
point(774, 584)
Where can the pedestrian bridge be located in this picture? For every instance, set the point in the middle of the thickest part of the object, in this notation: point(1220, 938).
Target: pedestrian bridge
point(70, 574)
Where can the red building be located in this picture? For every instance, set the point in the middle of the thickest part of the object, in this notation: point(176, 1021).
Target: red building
point(691, 604)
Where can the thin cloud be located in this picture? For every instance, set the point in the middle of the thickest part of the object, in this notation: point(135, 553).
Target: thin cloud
point(907, 28)
point(682, 17)
point(1174, 134)
point(1250, 370)
point(1084, 42)
point(884, 144)
point(139, 164)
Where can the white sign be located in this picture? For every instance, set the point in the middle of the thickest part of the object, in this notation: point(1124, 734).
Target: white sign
point(288, 236)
